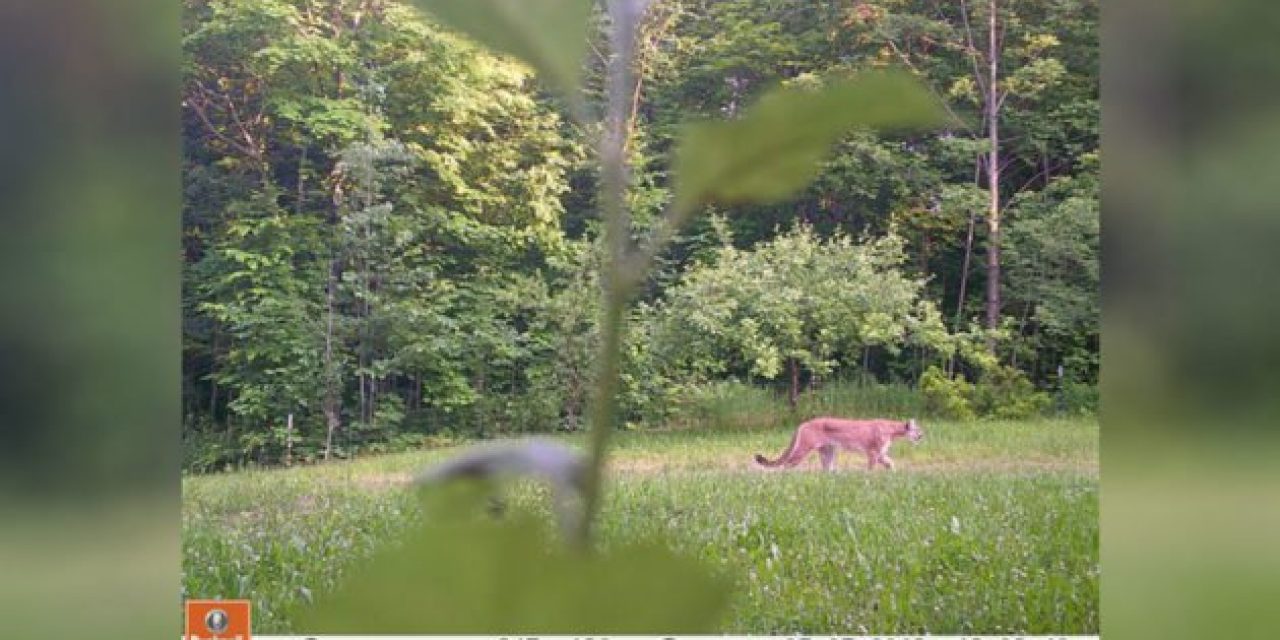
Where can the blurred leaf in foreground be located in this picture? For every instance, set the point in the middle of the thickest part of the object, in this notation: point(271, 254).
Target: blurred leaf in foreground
point(475, 575)
point(775, 148)
point(561, 467)
point(548, 35)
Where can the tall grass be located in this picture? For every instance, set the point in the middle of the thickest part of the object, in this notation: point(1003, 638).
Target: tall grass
point(986, 527)
point(862, 399)
point(948, 552)
point(736, 406)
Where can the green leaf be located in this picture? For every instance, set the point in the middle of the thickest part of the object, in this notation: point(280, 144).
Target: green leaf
point(775, 148)
point(548, 35)
point(481, 576)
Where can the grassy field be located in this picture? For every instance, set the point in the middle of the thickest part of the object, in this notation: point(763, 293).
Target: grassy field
point(984, 528)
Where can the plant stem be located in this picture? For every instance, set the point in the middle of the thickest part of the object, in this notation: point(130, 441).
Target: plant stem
point(618, 284)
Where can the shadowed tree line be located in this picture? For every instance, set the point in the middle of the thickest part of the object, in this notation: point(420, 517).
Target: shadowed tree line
point(391, 235)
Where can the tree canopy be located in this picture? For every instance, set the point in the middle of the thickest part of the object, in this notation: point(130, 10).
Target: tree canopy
point(391, 233)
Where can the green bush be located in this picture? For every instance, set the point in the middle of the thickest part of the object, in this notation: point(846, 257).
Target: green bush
point(389, 413)
point(1078, 398)
point(1005, 393)
point(946, 397)
point(204, 451)
point(1002, 392)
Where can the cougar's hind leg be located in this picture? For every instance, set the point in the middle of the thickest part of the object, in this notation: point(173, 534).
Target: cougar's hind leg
point(828, 455)
point(872, 459)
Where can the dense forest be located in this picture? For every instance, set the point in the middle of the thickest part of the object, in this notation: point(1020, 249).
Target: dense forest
point(390, 235)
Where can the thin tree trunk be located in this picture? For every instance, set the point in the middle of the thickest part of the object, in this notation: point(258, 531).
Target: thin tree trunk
point(926, 245)
point(302, 180)
point(964, 282)
point(573, 400)
point(288, 441)
point(213, 402)
point(1022, 327)
point(366, 352)
point(332, 389)
point(231, 425)
point(993, 173)
point(333, 392)
point(360, 410)
point(213, 382)
point(332, 399)
point(964, 273)
point(794, 393)
point(479, 384)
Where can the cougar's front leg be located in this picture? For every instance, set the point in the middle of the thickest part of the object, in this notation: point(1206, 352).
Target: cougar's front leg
point(872, 459)
point(828, 455)
point(885, 459)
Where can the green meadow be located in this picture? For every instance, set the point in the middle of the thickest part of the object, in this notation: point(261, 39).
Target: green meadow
point(986, 527)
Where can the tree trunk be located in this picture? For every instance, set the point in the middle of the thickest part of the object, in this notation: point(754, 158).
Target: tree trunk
point(231, 425)
point(332, 384)
point(993, 173)
point(572, 407)
point(794, 393)
point(332, 398)
point(213, 381)
point(478, 384)
point(1022, 327)
point(964, 274)
point(360, 381)
point(213, 402)
point(926, 245)
point(230, 434)
point(964, 283)
point(302, 181)
point(288, 441)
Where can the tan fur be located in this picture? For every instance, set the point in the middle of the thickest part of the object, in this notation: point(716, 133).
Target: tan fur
point(827, 435)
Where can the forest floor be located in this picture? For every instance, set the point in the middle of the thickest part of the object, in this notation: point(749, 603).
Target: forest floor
point(984, 528)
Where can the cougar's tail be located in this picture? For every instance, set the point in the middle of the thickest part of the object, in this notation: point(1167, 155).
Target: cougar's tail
point(764, 462)
point(782, 459)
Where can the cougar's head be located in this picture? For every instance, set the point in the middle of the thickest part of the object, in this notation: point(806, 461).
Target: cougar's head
point(914, 432)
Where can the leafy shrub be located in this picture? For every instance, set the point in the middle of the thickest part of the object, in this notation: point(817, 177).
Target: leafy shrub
point(1006, 393)
point(389, 413)
point(204, 451)
point(946, 397)
point(1002, 392)
point(398, 443)
point(1078, 398)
